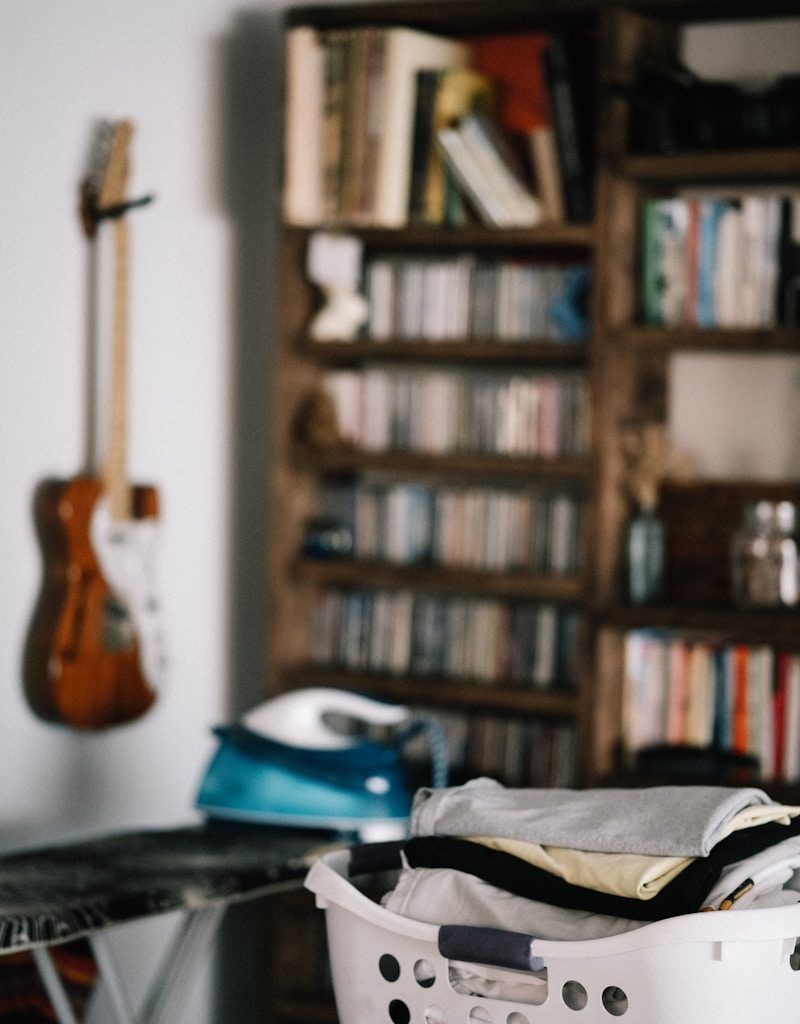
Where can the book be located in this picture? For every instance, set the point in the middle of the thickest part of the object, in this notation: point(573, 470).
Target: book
point(665, 227)
point(688, 314)
point(515, 62)
point(422, 146)
point(779, 710)
point(787, 296)
point(728, 269)
point(570, 74)
point(304, 100)
point(739, 665)
point(791, 732)
point(474, 152)
point(442, 98)
point(710, 215)
point(406, 51)
point(471, 177)
point(355, 184)
point(336, 58)
point(678, 691)
point(484, 137)
point(547, 172)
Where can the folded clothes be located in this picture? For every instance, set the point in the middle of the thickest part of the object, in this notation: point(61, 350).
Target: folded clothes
point(775, 869)
point(672, 821)
point(623, 874)
point(443, 896)
point(683, 895)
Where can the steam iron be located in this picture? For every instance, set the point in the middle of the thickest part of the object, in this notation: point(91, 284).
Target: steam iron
point(287, 763)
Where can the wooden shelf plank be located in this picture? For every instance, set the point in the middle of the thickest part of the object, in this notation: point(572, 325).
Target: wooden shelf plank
point(451, 17)
point(688, 11)
point(345, 353)
point(474, 236)
point(770, 627)
point(420, 577)
point(708, 339)
point(765, 165)
point(338, 460)
point(440, 691)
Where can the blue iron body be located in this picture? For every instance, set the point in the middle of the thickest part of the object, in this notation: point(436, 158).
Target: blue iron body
point(359, 788)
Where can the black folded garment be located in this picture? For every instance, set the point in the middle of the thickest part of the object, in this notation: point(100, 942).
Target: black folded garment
point(685, 894)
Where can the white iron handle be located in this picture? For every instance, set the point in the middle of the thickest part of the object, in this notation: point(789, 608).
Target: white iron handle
point(298, 717)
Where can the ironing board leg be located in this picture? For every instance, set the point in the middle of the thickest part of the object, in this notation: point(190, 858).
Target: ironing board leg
point(180, 961)
point(53, 986)
point(110, 978)
point(168, 988)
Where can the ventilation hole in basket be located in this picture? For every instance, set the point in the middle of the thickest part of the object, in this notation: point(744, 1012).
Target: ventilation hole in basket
point(435, 1015)
point(574, 995)
point(399, 1012)
point(517, 1018)
point(389, 967)
point(479, 1015)
point(424, 973)
point(615, 1001)
point(794, 959)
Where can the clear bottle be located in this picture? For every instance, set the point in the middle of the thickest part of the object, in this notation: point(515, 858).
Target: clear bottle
point(764, 557)
point(645, 543)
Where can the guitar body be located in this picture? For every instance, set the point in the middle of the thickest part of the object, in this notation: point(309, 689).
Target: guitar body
point(85, 660)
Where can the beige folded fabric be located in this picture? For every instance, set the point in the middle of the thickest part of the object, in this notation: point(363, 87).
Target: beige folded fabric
point(625, 874)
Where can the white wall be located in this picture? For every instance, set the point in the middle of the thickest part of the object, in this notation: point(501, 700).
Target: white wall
point(173, 68)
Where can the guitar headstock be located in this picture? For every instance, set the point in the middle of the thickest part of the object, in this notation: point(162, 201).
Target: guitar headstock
point(103, 189)
point(117, 165)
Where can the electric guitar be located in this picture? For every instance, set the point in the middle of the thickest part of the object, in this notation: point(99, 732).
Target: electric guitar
point(94, 655)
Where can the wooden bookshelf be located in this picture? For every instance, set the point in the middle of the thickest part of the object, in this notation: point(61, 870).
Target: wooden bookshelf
point(625, 364)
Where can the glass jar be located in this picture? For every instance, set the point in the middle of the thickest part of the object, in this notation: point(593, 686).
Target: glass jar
point(645, 544)
point(764, 557)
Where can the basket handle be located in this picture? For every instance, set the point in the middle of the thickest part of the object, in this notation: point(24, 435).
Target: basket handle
point(491, 946)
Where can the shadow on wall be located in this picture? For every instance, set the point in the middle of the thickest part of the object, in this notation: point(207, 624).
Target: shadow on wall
point(249, 139)
point(250, 132)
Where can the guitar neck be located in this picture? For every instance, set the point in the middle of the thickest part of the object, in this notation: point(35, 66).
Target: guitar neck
point(115, 476)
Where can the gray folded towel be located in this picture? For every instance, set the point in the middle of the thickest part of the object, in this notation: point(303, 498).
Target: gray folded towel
point(674, 821)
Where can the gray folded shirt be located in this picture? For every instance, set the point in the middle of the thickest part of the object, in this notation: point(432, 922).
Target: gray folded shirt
point(670, 821)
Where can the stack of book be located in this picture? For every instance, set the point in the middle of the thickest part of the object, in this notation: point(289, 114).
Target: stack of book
point(389, 125)
point(462, 297)
point(450, 411)
point(741, 698)
point(481, 640)
point(714, 260)
point(479, 528)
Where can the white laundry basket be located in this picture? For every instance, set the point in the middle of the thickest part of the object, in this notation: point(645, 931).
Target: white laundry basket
point(738, 967)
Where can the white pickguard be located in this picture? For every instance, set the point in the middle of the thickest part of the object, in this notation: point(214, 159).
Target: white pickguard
point(125, 550)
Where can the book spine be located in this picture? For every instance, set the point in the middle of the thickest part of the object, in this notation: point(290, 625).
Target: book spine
point(427, 85)
point(523, 207)
point(787, 299)
point(568, 70)
point(304, 99)
point(472, 178)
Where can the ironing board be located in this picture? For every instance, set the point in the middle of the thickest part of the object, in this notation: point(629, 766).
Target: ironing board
point(51, 895)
